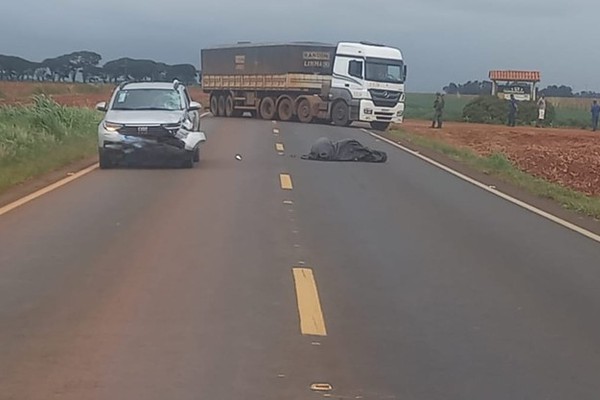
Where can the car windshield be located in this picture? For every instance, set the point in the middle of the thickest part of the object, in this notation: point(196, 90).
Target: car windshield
point(147, 99)
point(381, 70)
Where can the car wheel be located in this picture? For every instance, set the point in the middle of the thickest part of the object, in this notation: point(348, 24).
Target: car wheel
point(104, 159)
point(188, 160)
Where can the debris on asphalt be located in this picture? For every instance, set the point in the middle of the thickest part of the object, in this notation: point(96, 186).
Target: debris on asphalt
point(238, 157)
point(344, 150)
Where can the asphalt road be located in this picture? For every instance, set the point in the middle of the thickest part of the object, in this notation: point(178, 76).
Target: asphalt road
point(391, 281)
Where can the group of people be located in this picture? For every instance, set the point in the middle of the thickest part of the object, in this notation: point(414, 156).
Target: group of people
point(513, 110)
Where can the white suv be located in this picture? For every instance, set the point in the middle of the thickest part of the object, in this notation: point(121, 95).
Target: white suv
point(148, 119)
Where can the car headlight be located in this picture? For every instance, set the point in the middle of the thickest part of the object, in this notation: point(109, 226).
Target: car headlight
point(111, 126)
point(187, 125)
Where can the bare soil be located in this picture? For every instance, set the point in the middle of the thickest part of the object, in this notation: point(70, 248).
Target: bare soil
point(569, 157)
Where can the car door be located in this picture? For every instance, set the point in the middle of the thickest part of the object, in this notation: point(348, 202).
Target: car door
point(194, 115)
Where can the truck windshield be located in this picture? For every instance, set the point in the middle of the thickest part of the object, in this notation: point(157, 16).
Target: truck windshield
point(382, 70)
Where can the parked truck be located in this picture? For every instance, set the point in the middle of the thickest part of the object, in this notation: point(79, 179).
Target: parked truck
point(307, 81)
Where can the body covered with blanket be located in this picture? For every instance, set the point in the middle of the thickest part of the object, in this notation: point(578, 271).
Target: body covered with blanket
point(344, 150)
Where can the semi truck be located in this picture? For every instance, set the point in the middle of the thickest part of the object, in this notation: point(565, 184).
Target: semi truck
point(307, 81)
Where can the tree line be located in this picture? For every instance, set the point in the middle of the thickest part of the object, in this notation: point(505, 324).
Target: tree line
point(85, 66)
point(483, 88)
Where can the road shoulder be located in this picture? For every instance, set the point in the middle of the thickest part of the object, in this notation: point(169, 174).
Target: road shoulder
point(550, 206)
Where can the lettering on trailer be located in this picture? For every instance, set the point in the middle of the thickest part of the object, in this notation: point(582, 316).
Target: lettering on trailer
point(316, 59)
point(240, 63)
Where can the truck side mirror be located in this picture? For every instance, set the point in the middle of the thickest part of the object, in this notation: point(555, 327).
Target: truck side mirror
point(405, 71)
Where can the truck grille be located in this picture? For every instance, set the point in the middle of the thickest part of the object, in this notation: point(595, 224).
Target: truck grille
point(385, 98)
point(384, 116)
point(150, 131)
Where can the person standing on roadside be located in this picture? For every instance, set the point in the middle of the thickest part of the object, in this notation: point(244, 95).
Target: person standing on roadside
point(438, 107)
point(541, 111)
point(595, 115)
point(513, 109)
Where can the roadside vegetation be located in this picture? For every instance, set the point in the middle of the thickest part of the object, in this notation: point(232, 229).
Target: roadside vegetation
point(41, 137)
point(499, 166)
point(565, 114)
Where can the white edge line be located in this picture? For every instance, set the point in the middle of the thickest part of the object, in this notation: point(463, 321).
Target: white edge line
point(47, 189)
point(496, 192)
point(39, 193)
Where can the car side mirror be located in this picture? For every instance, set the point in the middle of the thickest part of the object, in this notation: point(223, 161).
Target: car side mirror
point(101, 107)
point(194, 106)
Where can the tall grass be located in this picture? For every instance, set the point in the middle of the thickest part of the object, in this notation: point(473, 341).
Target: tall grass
point(41, 137)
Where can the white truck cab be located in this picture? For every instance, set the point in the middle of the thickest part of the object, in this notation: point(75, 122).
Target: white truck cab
point(370, 79)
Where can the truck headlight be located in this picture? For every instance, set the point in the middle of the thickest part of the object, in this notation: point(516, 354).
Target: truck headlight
point(368, 111)
point(400, 113)
point(111, 126)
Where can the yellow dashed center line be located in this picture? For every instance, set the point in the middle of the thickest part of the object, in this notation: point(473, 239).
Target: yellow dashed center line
point(286, 181)
point(312, 321)
point(279, 147)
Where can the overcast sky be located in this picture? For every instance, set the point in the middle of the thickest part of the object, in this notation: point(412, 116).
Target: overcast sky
point(442, 40)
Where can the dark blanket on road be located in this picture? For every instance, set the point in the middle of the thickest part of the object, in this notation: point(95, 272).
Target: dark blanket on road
point(344, 150)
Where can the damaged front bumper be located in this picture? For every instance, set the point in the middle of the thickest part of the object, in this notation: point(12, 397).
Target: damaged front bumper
point(166, 146)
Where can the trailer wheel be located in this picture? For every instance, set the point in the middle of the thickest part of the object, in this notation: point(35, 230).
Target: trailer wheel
point(214, 105)
point(221, 106)
point(304, 111)
point(285, 109)
point(340, 114)
point(267, 108)
point(229, 106)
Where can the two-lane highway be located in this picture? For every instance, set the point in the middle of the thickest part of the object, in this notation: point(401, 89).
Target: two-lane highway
point(256, 278)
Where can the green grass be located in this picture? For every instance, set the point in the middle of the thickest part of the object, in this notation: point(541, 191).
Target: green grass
point(420, 106)
point(499, 166)
point(40, 138)
point(572, 117)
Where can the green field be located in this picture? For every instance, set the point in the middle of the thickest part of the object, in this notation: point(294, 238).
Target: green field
point(419, 106)
point(42, 137)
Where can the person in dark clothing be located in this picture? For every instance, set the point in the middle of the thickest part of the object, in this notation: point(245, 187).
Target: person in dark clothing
point(595, 115)
point(513, 109)
point(438, 107)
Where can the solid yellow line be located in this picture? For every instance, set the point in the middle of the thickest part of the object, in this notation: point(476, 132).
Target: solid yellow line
point(279, 147)
point(286, 181)
point(24, 200)
point(312, 321)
